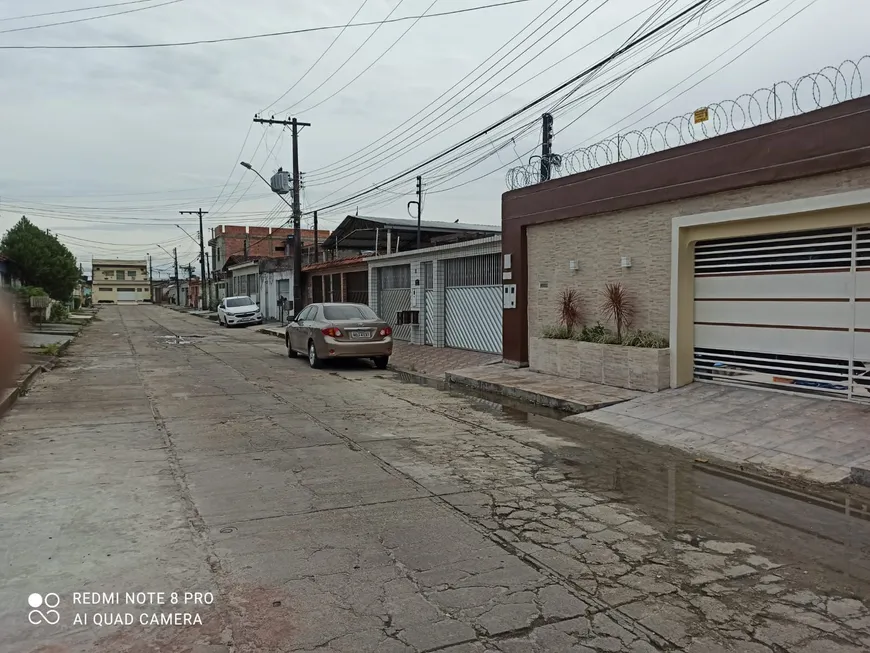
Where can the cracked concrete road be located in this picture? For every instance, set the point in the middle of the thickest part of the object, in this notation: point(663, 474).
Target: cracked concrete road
point(344, 511)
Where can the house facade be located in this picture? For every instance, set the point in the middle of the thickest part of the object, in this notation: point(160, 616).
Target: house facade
point(444, 296)
point(255, 242)
point(116, 281)
point(749, 251)
point(275, 285)
point(9, 275)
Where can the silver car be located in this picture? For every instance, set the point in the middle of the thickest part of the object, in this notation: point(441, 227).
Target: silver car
point(328, 331)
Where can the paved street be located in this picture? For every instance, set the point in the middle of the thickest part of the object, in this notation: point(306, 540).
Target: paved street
point(342, 510)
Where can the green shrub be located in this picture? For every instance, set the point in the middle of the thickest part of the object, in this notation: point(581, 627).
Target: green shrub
point(645, 339)
point(50, 350)
point(604, 336)
point(31, 291)
point(59, 312)
point(557, 332)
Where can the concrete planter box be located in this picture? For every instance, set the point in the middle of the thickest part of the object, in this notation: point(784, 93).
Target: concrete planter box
point(634, 368)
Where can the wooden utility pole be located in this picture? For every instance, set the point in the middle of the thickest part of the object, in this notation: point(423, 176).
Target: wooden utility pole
point(202, 291)
point(295, 126)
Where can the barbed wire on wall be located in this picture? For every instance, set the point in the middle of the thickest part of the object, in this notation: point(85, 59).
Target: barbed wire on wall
point(828, 86)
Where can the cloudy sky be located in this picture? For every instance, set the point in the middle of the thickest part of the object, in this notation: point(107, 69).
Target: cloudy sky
point(104, 146)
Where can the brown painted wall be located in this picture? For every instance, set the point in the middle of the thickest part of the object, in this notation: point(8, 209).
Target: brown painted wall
point(822, 142)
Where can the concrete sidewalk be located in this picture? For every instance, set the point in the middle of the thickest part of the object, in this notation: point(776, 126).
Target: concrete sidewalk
point(821, 440)
point(774, 433)
point(542, 389)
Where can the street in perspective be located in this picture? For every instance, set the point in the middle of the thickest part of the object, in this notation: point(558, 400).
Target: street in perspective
point(347, 509)
point(428, 326)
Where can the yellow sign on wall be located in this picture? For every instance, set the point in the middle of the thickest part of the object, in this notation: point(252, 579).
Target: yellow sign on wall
point(702, 115)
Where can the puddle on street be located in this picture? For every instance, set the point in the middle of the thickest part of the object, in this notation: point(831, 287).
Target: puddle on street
point(181, 340)
point(823, 533)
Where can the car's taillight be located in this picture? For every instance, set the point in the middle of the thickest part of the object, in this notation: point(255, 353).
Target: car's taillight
point(386, 331)
point(332, 332)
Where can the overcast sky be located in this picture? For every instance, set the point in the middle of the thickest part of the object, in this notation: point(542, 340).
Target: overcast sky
point(107, 145)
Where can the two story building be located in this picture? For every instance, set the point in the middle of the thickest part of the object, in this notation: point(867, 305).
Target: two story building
point(118, 281)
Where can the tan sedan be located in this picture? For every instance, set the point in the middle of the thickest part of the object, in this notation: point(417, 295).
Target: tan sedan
point(328, 331)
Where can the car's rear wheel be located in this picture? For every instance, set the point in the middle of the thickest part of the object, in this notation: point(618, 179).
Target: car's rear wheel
point(381, 362)
point(290, 352)
point(313, 359)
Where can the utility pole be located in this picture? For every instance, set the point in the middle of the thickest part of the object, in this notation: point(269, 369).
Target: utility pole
point(546, 146)
point(202, 291)
point(419, 204)
point(316, 236)
point(177, 280)
point(297, 209)
point(150, 278)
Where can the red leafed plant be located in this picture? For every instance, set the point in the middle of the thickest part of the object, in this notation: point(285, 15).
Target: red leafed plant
point(616, 305)
point(569, 309)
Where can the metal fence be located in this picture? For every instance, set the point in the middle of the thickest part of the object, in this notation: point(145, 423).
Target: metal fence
point(473, 303)
point(394, 288)
point(830, 85)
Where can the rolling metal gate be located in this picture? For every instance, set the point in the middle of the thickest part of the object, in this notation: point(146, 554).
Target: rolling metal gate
point(790, 311)
point(394, 290)
point(429, 303)
point(473, 303)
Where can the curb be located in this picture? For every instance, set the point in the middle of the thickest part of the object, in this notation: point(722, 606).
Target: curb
point(557, 403)
point(9, 400)
point(269, 333)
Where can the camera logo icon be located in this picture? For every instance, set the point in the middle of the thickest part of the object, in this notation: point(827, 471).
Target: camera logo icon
point(37, 616)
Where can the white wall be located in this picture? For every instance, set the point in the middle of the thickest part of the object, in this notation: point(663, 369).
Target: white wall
point(269, 293)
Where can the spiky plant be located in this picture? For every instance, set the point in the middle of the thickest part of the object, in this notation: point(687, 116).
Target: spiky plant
point(616, 306)
point(569, 309)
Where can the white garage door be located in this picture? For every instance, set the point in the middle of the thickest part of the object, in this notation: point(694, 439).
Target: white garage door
point(126, 296)
point(790, 311)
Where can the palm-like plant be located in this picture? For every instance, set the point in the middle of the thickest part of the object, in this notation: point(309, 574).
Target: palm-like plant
point(569, 309)
point(616, 306)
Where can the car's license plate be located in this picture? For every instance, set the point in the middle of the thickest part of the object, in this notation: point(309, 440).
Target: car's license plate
point(359, 335)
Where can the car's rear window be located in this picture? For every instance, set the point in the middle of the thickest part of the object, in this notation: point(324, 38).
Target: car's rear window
point(235, 302)
point(349, 312)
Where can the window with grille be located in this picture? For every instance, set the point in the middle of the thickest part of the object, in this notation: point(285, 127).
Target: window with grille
point(482, 270)
point(394, 277)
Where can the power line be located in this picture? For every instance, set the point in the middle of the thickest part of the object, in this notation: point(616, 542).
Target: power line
point(720, 55)
point(346, 61)
point(233, 169)
point(331, 168)
point(428, 131)
point(318, 60)
point(595, 67)
point(72, 11)
point(390, 152)
point(83, 20)
point(372, 64)
point(256, 36)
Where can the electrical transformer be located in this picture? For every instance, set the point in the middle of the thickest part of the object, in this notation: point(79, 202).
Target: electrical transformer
point(280, 182)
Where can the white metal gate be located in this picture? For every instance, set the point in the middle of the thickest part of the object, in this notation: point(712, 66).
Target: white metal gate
point(473, 303)
point(790, 311)
point(429, 305)
point(394, 290)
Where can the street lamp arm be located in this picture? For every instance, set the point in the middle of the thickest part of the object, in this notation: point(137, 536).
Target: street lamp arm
point(247, 165)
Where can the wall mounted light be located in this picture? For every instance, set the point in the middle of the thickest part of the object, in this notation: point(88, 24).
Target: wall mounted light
point(625, 262)
point(572, 265)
